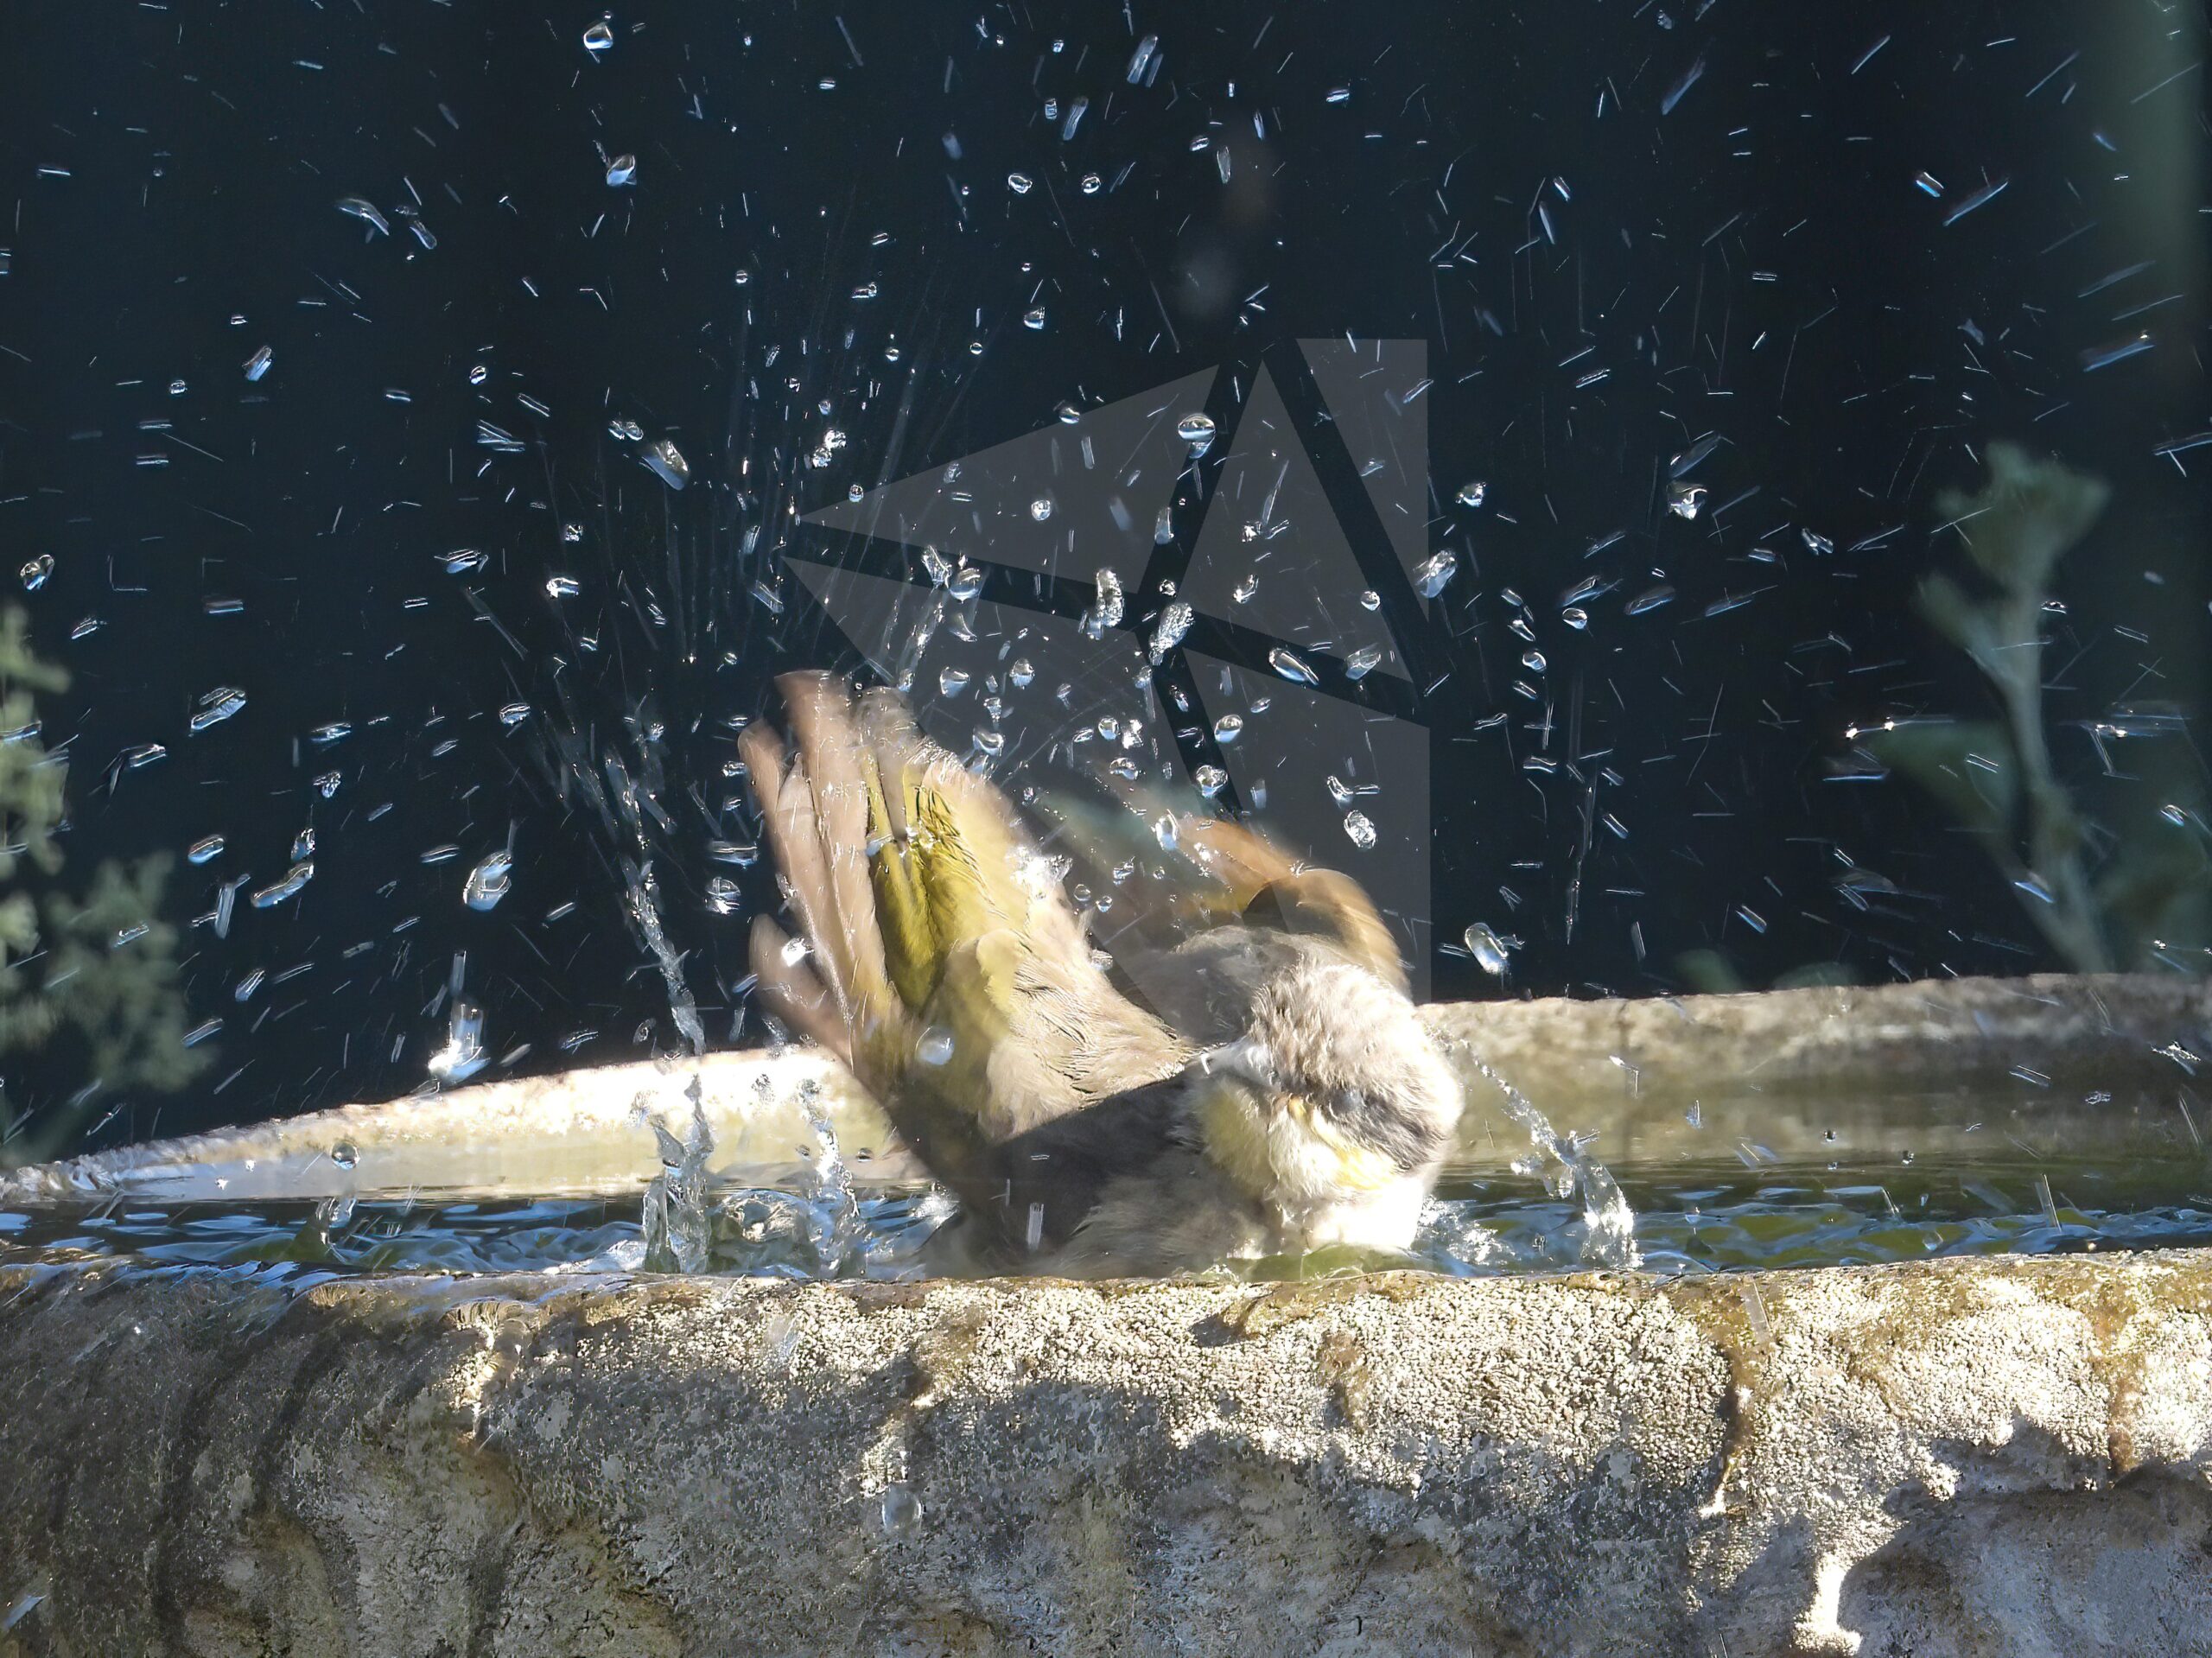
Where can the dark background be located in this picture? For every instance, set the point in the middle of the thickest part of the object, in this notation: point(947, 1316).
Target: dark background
point(1755, 263)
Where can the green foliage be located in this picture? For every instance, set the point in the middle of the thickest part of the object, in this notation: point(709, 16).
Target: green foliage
point(113, 968)
point(1966, 765)
point(1997, 779)
point(2024, 519)
point(1710, 972)
point(105, 964)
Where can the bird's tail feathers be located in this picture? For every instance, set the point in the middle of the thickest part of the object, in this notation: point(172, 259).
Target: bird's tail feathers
point(832, 984)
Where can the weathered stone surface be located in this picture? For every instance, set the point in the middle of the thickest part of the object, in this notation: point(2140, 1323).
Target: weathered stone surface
point(1994, 1457)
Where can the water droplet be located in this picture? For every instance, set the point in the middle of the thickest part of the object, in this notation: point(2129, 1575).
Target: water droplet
point(345, 1155)
point(1227, 728)
point(218, 705)
point(623, 169)
point(1363, 662)
point(277, 892)
point(1247, 585)
point(952, 681)
point(1197, 429)
point(901, 1511)
point(1022, 673)
point(1369, 599)
point(935, 1047)
point(1361, 831)
point(1211, 779)
point(562, 586)
point(1684, 500)
point(1091, 184)
point(257, 365)
point(1106, 608)
point(1650, 599)
point(1575, 617)
point(488, 882)
point(35, 571)
point(1020, 183)
point(599, 39)
point(668, 463)
point(1041, 508)
point(1436, 572)
point(1175, 622)
point(723, 897)
point(463, 1055)
point(1292, 666)
point(1532, 661)
point(206, 849)
point(356, 207)
point(1033, 318)
point(1472, 493)
point(1488, 949)
point(1819, 545)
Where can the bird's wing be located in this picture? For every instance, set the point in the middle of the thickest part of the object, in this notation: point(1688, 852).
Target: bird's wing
point(1195, 871)
point(937, 957)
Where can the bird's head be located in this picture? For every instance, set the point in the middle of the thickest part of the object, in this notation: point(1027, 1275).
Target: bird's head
point(1334, 1089)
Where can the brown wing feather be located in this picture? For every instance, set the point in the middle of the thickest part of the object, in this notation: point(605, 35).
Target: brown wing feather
point(1221, 872)
point(928, 919)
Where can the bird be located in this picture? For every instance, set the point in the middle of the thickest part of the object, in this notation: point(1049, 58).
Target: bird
point(1260, 1088)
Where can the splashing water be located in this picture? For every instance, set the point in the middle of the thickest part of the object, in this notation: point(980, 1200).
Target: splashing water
point(1608, 1224)
point(810, 1226)
point(644, 895)
point(678, 1220)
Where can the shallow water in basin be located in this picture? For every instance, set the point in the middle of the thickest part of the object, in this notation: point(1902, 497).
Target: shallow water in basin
point(1689, 1218)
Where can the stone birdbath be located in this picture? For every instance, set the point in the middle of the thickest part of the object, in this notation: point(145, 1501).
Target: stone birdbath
point(1996, 1453)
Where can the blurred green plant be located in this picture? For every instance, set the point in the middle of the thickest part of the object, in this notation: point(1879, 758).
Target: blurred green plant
point(106, 963)
point(2111, 904)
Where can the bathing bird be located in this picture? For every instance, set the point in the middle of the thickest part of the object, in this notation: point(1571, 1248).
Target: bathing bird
point(1260, 1086)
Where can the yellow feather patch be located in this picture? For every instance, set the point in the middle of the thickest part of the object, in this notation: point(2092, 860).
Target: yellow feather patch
point(1284, 1150)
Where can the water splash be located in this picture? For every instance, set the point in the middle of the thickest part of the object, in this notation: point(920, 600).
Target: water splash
point(833, 1216)
point(678, 1210)
point(1608, 1223)
point(811, 1226)
point(644, 898)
